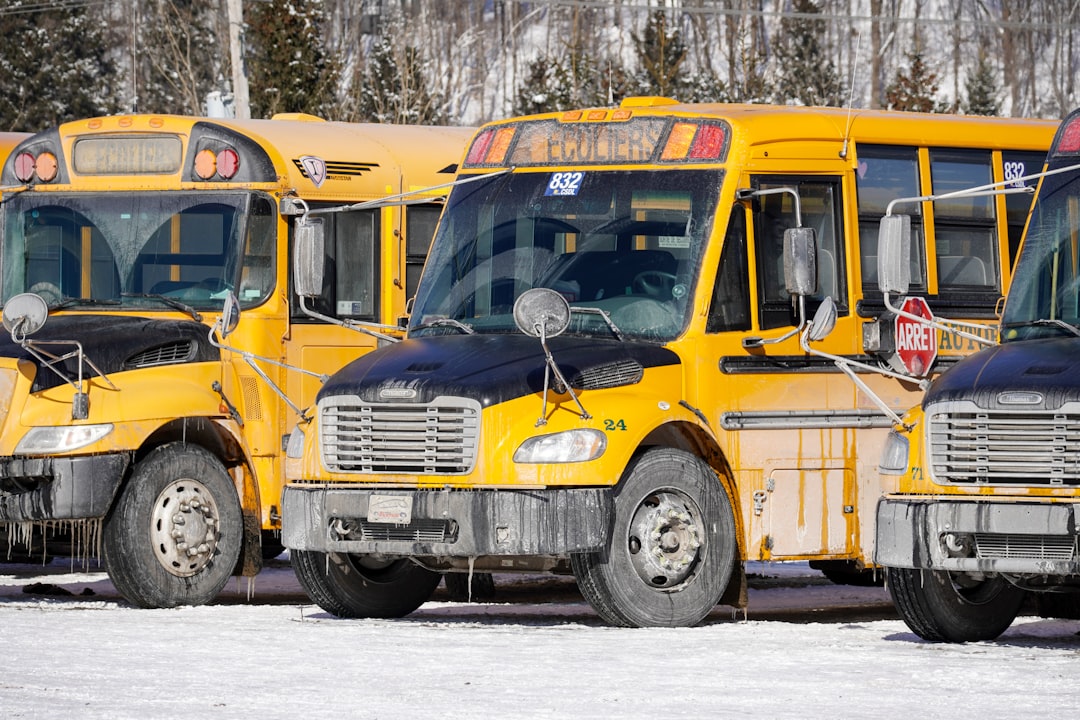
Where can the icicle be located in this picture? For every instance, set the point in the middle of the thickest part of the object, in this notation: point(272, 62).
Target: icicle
point(250, 587)
point(469, 593)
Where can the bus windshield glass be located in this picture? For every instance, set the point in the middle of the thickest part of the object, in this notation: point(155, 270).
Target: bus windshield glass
point(628, 243)
point(1045, 297)
point(139, 250)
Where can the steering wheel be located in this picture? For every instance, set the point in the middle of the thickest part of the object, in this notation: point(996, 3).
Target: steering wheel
point(655, 283)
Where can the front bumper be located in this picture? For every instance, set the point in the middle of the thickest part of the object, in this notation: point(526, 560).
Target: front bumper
point(445, 522)
point(966, 535)
point(60, 488)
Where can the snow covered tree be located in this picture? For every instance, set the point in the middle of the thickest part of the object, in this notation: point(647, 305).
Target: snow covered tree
point(570, 81)
point(806, 73)
point(661, 53)
point(914, 90)
point(391, 86)
point(175, 70)
point(55, 65)
point(981, 89)
point(289, 69)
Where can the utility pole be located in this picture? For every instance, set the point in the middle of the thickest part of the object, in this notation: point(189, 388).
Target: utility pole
point(241, 104)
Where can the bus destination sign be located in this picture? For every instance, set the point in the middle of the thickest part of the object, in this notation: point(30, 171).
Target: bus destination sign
point(127, 155)
point(549, 142)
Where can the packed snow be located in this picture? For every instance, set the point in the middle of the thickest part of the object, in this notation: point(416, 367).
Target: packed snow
point(804, 649)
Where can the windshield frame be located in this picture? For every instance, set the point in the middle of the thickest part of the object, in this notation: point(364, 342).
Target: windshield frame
point(568, 229)
point(140, 250)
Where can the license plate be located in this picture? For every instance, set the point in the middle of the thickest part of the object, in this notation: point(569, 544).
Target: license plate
point(390, 509)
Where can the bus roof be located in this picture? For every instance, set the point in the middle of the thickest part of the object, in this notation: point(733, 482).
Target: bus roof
point(754, 124)
point(375, 152)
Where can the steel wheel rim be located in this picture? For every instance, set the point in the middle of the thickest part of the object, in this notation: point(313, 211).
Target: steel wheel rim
point(185, 527)
point(664, 540)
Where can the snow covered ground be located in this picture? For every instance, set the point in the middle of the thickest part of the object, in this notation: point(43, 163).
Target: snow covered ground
point(808, 649)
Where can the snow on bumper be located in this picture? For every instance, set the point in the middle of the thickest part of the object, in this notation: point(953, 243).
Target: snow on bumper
point(978, 536)
point(456, 523)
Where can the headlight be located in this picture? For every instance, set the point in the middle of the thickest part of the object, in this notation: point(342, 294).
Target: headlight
point(47, 440)
point(295, 447)
point(894, 457)
point(565, 447)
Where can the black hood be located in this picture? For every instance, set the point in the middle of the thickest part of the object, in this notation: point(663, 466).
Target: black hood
point(1048, 367)
point(491, 368)
point(114, 343)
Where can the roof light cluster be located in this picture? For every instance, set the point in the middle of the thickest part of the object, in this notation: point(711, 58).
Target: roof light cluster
point(42, 167)
point(223, 163)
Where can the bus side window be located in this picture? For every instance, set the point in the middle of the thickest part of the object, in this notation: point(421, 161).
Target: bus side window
point(1017, 164)
point(964, 227)
point(420, 221)
point(350, 280)
point(886, 173)
point(776, 213)
point(730, 305)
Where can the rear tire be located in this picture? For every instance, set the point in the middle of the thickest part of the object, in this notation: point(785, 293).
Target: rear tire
point(672, 549)
point(942, 606)
point(358, 586)
point(174, 534)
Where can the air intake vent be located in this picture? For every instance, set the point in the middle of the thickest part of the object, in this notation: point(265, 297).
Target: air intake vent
point(617, 374)
point(171, 353)
point(1028, 547)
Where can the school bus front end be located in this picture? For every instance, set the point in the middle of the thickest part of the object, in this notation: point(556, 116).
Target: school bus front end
point(604, 371)
point(987, 510)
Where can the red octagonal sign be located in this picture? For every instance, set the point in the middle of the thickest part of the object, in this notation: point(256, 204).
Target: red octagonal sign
point(916, 342)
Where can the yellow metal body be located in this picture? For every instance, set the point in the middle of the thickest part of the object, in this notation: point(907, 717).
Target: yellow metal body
point(364, 163)
point(801, 490)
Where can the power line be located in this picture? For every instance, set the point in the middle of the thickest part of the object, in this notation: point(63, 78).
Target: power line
point(643, 6)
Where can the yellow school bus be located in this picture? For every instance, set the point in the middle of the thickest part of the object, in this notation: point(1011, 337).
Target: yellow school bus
point(605, 374)
point(984, 511)
point(128, 425)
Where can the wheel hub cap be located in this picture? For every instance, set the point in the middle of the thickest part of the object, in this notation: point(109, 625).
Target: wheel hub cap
point(184, 527)
point(665, 539)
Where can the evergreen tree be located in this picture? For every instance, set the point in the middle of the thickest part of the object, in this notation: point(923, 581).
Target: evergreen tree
point(176, 71)
point(575, 81)
point(807, 75)
point(289, 69)
point(661, 53)
point(915, 89)
point(55, 66)
point(982, 90)
point(392, 87)
point(544, 88)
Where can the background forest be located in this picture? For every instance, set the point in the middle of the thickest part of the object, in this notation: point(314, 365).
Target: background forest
point(463, 62)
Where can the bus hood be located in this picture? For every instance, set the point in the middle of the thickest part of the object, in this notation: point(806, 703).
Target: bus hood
point(113, 343)
point(1023, 375)
point(490, 368)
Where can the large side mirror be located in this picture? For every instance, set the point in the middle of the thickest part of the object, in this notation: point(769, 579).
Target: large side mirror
point(230, 315)
point(800, 261)
point(894, 254)
point(541, 312)
point(309, 256)
point(25, 313)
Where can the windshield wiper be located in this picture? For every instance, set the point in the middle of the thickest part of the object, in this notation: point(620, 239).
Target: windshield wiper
point(602, 313)
point(446, 322)
point(73, 301)
point(1046, 322)
point(171, 302)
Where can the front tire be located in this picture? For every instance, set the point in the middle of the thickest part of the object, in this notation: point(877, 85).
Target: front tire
point(672, 549)
point(360, 586)
point(174, 534)
point(942, 606)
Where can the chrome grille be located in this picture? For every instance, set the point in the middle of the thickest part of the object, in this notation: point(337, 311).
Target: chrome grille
point(434, 439)
point(1027, 547)
point(167, 354)
point(433, 531)
point(972, 445)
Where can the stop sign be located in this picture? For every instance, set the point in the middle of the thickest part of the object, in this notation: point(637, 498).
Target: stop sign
point(916, 342)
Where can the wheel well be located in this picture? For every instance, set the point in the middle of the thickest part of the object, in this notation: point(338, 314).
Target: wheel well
point(209, 435)
point(693, 439)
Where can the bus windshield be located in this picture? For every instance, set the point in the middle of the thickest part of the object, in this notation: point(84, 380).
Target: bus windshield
point(150, 251)
point(1045, 296)
point(628, 243)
